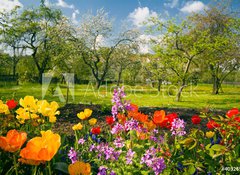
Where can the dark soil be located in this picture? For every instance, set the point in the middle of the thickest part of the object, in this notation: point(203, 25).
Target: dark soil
point(68, 116)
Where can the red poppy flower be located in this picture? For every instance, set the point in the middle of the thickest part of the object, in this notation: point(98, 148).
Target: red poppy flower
point(212, 124)
point(109, 120)
point(196, 119)
point(232, 112)
point(96, 130)
point(11, 104)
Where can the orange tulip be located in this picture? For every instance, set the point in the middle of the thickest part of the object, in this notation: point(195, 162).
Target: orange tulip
point(79, 168)
point(40, 149)
point(13, 141)
point(121, 118)
point(150, 125)
point(159, 117)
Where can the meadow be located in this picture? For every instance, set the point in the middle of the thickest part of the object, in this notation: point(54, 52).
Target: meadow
point(195, 97)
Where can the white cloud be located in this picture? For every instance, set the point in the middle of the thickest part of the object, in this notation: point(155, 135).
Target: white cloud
point(8, 5)
point(194, 6)
point(62, 3)
point(74, 16)
point(48, 3)
point(140, 15)
point(171, 4)
point(145, 46)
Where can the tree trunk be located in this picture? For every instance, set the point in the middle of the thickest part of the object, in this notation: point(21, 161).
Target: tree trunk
point(178, 97)
point(119, 76)
point(159, 84)
point(216, 85)
point(14, 70)
point(40, 74)
point(98, 84)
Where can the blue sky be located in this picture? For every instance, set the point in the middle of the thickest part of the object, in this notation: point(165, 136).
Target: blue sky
point(135, 12)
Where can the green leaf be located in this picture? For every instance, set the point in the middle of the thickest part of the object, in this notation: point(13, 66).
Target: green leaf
point(144, 172)
point(191, 169)
point(61, 166)
point(218, 147)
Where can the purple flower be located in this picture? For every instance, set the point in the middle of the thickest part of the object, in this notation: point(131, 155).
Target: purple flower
point(131, 125)
point(112, 173)
point(153, 138)
point(148, 156)
point(152, 161)
point(117, 128)
point(102, 170)
point(129, 156)
point(118, 104)
point(72, 155)
point(81, 141)
point(91, 148)
point(118, 142)
point(158, 165)
point(108, 152)
point(178, 127)
point(155, 131)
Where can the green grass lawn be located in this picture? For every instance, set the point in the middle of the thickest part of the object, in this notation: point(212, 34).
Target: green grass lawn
point(192, 97)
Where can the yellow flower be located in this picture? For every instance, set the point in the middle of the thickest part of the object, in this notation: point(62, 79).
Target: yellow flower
point(22, 115)
point(84, 115)
point(210, 134)
point(3, 108)
point(29, 104)
point(81, 115)
point(48, 110)
point(79, 168)
point(87, 112)
point(92, 121)
point(52, 119)
point(77, 127)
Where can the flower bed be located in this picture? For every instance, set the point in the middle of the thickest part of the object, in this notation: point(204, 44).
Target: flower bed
point(127, 142)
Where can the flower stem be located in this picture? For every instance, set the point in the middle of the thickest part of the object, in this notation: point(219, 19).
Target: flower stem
point(76, 140)
point(15, 164)
point(49, 168)
point(35, 170)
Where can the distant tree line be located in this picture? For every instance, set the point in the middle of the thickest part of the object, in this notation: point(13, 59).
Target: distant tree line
point(202, 48)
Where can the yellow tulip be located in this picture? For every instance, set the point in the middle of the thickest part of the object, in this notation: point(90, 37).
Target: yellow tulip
point(210, 134)
point(22, 115)
point(77, 127)
point(85, 114)
point(92, 121)
point(3, 108)
point(81, 115)
point(48, 110)
point(29, 104)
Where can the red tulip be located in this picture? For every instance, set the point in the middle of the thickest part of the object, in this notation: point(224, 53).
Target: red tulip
point(109, 120)
point(212, 124)
point(96, 130)
point(232, 112)
point(196, 119)
point(11, 104)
